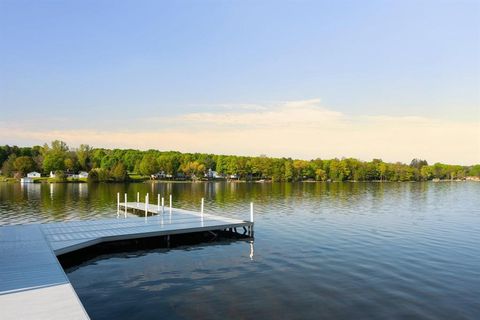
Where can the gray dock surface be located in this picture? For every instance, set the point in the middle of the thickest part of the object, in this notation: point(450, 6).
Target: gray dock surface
point(33, 284)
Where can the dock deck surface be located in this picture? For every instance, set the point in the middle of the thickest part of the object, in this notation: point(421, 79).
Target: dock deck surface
point(33, 284)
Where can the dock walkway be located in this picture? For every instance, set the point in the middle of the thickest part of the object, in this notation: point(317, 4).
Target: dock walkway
point(33, 284)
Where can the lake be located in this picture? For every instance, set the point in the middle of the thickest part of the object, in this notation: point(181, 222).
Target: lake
point(321, 251)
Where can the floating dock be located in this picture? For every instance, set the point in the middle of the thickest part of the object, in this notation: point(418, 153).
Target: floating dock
point(33, 284)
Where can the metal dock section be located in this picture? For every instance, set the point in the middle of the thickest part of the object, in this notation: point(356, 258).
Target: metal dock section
point(33, 284)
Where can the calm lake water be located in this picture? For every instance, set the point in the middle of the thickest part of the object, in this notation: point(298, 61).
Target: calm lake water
point(321, 251)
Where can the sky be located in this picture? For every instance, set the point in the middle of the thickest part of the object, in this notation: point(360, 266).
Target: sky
point(394, 80)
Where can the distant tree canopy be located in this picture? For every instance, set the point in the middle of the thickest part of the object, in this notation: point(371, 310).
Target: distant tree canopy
point(115, 164)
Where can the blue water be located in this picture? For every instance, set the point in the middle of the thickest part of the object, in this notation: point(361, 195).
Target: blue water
point(321, 251)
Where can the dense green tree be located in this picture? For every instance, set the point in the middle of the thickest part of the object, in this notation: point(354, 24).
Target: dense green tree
point(83, 156)
point(320, 175)
point(418, 163)
point(119, 172)
point(148, 165)
point(24, 165)
point(193, 169)
point(288, 171)
point(4, 153)
point(131, 158)
point(60, 175)
point(8, 167)
point(168, 163)
point(99, 175)
point(54, 156)
point(92, 176)
point(71, 163)
point(53, 162)
point(475, 170)
point(220, 164)
point(339, 170)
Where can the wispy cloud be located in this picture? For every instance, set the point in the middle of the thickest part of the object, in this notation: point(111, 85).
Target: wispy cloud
point(289, 114)
point(303, 129)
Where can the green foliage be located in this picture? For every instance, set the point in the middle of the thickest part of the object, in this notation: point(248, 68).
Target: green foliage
point(320, 175)
point(148, 165)
point(83, 156)
point(475, 170)
point(119, 172)
point(54, 156)
point(168, 163)
point(193, 169)
point(24, 164)
point(93, 176)
point(113, 165)
point(53, 162)
point(8, 167)
point(99, 175)
point(60, 175)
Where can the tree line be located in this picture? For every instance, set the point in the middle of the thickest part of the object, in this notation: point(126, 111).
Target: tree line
point(120, 164)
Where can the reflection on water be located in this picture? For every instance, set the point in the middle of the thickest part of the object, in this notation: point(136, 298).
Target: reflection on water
point(21, 203)
point(322, 250)
point(251, 250)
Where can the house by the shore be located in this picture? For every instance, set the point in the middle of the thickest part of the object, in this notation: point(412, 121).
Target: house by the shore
point(83, 175)
point(33, 174)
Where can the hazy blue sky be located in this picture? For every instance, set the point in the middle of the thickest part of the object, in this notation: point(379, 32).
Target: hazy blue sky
point(87, 69)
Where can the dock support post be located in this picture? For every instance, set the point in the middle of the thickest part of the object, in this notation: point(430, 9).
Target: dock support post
point(170, 204)
point(163, 205)
point(118, 203)
point(126, 205)
point(158, 202)
point(138, 199)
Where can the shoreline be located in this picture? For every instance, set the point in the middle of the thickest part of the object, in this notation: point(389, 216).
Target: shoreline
point(49, 180)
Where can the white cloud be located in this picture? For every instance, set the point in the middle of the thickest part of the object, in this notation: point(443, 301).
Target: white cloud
point(301, 129)
point(289, 114)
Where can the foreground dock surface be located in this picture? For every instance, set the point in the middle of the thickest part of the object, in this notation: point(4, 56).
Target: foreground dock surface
point(33, 284)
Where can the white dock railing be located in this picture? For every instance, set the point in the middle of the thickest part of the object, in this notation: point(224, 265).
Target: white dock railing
point(161, 205)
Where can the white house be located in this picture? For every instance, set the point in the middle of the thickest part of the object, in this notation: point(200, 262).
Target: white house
point(213, 174)
point(26, 180)
point(52, 175)
point(158, 175)
point(83, 174)
point(217, 175)
point(33, 174)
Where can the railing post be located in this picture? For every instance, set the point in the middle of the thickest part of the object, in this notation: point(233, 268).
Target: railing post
point(146, 205)
point(170, 204)
point(251, 211)
point(126, 205)
point(163, 205)
point(158, 202)
point(138, 199)
point(201, 210)
point(118, 203)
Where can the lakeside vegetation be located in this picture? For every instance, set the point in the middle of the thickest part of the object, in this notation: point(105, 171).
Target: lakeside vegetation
point(128, 164)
